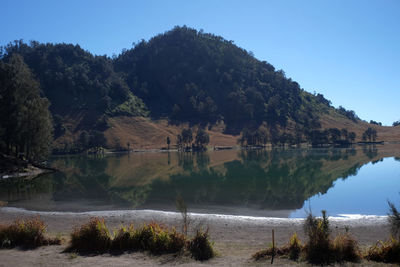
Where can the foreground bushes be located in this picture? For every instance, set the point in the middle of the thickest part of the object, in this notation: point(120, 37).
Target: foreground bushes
point(28, 233)
point(319, 248)
point(200, 247)
point(94, 237)
point(91, 237)
point(388, 252)
point(153, 237)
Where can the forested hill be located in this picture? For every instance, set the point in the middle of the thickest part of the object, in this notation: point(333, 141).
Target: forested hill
point(188, 75)
point(183, 75)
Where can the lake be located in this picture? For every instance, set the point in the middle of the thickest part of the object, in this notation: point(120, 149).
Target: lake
point(282, 183)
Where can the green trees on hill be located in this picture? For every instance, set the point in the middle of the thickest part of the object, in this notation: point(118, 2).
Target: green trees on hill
point(25, 121)
point(350, 114)
point(76, 81)
point(191, 76)
point(375, 122)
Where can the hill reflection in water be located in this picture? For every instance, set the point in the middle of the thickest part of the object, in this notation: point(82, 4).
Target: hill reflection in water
point(274, 183)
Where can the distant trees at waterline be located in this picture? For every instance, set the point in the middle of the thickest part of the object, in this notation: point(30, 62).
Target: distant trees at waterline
point(263, 135)
point(185, 140)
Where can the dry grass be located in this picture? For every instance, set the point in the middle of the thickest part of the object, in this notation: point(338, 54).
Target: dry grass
point(345, 248)
point(28, 233)
point(94, 237)
point(143, 133)
point(295, 247)
point(319, 248)
point(388, 252)
point(385, 133)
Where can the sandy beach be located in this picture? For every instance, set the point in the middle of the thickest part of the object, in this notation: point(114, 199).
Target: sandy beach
point(236, 238)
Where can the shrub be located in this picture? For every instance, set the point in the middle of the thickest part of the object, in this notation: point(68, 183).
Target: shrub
point(294, 247)
point(28, 233)
point(345, 248)
point(319, 247)
point(177, 241)
point(394, 220)
point(92, 237)
point(388, 252)
point(153, 237)
point(123, 239)
point(262, 254)
point(292, 250)
point(200, 246)
point(158, 239)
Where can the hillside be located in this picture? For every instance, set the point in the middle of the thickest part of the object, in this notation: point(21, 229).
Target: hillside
point(177, 79)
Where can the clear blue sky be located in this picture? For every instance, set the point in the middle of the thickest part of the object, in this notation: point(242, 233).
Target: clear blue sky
point(347, 50)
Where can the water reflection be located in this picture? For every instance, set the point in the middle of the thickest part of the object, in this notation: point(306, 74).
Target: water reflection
point(255, 182)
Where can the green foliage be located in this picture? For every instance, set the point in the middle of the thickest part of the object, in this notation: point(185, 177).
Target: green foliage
point(25, 121)
point(76, 81)
point(182, 74)
point(331, 136)
point(133, 106)
point(396, 123)
point(375, 122)
point(28, 233)
point(200, 246)
point(196, 77)
point(350, 114)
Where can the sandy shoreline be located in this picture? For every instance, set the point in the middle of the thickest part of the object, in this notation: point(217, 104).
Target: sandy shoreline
point(236, 237)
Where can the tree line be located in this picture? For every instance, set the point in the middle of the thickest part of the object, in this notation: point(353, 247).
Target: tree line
point(25, 122)
point(264, 135)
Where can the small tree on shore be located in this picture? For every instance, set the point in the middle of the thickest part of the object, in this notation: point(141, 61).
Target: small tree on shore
point(370, 134)
point(168, 142)
point(394, 220)
point(187, 136)
point(202, 138)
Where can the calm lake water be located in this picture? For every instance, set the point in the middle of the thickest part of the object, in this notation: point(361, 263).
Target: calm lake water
point(267, 183)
